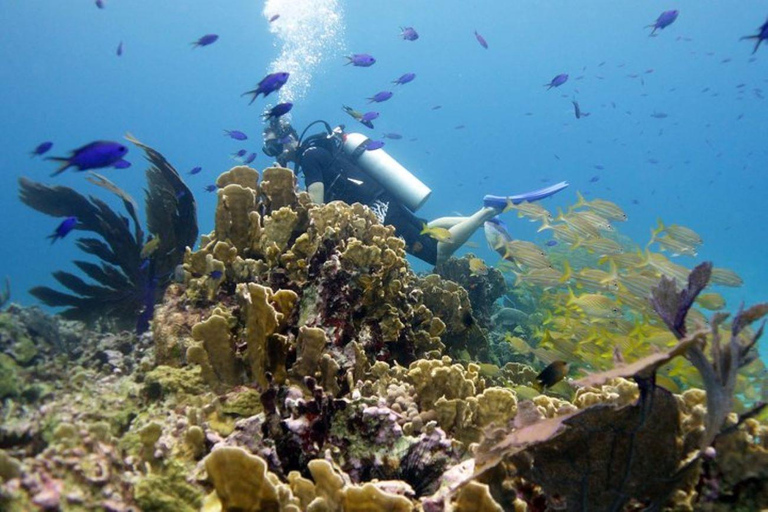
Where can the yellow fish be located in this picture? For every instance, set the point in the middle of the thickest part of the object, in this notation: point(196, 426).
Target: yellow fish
point(149, 248)
point(675, 246)
point(477, 267)
point(711, 301)
point(602, 207)
point(601, 246)
point(532, 211)
point(543, 277)
point(594, 304)
point(725, 277)
point(439, 234)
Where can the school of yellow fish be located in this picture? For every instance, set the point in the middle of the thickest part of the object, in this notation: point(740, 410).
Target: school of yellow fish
point(592, 292)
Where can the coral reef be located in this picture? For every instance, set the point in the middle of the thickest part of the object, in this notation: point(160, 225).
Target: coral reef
point(301, 365)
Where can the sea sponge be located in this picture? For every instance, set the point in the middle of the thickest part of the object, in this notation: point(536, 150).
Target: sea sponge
point(218, 342)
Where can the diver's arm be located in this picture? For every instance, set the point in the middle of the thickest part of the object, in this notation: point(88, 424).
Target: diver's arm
point(316, 192)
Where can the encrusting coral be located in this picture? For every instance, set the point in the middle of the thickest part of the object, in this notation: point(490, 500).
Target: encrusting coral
point(301, 365)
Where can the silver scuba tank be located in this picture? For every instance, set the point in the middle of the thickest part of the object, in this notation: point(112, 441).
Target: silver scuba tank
point(395, 178)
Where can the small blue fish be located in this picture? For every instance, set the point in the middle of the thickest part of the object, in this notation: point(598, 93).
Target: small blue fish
point(41, 149)
point(404, 79)
point(216, 275)
point(250, 158)
point(664, 20)
point(274, 17)
point(95, 155)
point(481, 40)
point(379, 97)
point(100, 4)
point(63, 229)
point(119, 51)
point(409, 33)
point(369, 116)
point(206, 40)
point(195, 170)
point(372, 145)
point(278, 110)
point(121, 164)
point(762, 35)
point(357, 115)
point(361, 60)
point(144, 264)
point(550, 243)
point(392, 135)
point(594, 179)
point(235, 134)
point(577, 110)
point(557, 81)
point(211, 188)
point(269, 84)
point(240, 153)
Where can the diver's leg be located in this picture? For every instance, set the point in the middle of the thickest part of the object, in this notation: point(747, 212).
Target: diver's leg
point(462, 231)
point(445, 222)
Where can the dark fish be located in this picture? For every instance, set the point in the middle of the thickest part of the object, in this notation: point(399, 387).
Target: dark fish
point(664, 20)
point(577, 110)
point(216, 274)
point(481, 40)
point(392, 135)
point(459, 127)
point(274, 18)
point(240, 153)
point(550, 243)
point(206, 40)
point(598, 167)
point(380, 96)
point(594, 179)
point(552, 374)
point(195, 170)
point(369, 116)
point(404, 79)
point(235, 134)
point(268, 85)
point(250, 158)
point(278, 110)
point(371, 145)
point(437, 107)
point(210, 188)
point(361, 60)
point(557, 81)
point(659, 115)
point(409, 33)
point(762, 35)
point(119, 51)
point(122, 164)
point(100, 4)
point(41, 149)
point(63, 229)
point(95, 155)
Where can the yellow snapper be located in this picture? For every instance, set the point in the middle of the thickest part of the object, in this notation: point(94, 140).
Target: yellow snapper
point(725, 277)
point(601, 246)
point(594, 219)
point(477, 267)
point(439, 234)
point(594, 304)
point(543, 277)
point(711, 301)
point(602, 207)
point(531, 211)
point(676, 247)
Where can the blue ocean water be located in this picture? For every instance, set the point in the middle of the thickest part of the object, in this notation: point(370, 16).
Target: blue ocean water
point(498, 129)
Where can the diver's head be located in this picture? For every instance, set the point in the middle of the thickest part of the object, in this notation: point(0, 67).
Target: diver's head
point(280, 141)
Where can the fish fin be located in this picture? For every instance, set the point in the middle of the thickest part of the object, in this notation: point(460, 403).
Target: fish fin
point(567, 272)
point(544, 225)
point(580, 200)
point(65, 164)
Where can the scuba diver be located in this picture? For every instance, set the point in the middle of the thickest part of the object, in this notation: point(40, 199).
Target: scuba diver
point(337, 166)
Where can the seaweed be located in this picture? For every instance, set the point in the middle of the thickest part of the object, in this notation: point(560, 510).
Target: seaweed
point(5, 295)
point(719, 373)
point(125, 284)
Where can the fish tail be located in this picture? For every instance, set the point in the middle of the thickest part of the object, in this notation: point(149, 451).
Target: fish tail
point(65, 164)
point(53, 238)
point(567, 272)
point(580, 200)
point(255, 93)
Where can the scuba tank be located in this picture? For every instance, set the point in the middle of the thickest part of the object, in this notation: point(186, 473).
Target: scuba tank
point(392, 176)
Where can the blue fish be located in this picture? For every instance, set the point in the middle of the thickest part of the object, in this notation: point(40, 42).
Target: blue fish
point(240, 153)
point(481, 40)
point(119, 51)
point(762, 35)
point(371, 145)
point(361, 60)
point(664, 20)
point(404, 79)
point(63, 229)
point(211, 188)
point(195, 170)
point(369, 116)
point(550, 243)
point(392, 135)
point(557, 81)
point(216, 274)
point(235, 134)
point(250, 158)
point(268, 85)
point(122, 164)
point(278, 110)
point(380, 96)
point(206, 40)
point(100, 4)
point(274, 18)
point(409, 33)
point(41, 149)
point(96, 155)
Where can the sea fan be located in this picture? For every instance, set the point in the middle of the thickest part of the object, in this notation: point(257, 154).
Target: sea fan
point(126, 283)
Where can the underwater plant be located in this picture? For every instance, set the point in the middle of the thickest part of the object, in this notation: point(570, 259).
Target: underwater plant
point(5, 295)
point(133, 270)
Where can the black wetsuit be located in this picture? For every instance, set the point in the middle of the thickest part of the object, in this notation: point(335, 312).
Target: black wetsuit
point(344, 181)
